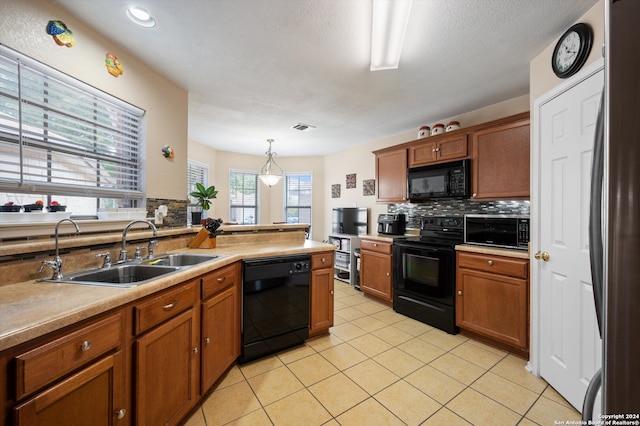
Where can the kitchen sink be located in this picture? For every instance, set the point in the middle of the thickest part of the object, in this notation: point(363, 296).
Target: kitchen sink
point(179, 259)
point(119, 275)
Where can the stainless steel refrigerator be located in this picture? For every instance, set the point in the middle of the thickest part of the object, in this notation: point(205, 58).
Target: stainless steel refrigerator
point(617, 294)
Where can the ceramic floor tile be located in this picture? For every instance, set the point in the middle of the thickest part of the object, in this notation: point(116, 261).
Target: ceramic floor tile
point(369, 345)
point(259, 366)
point(321, 343)
point(312, 369)
point(442, 340)
point(548, 412)
point(370, 413)
point(513, 368)
point(392, 335)
point(347, 331)
point(350, 313)
point(458, 368)
point(230, 403)
point(398, 362)
point(388, 316)
point(435, 384)
point(354, 300)
point(408, 403)
point(343, 356)
point(338, 393)
point(231, 377)
point(481, 410)
point(509, 394)
point(553, 395)
point(371, 307)
point(369, 324)
point(337, 305)
point(196, 419)
point(371, 376)
point(412, 327)
point(488, 347)
point(338, 320)
point(477, 355)
point(274, 385)
point(421, 350)
point(287, 411)
point(444, 416)
point(255, 418)
point(293, 354)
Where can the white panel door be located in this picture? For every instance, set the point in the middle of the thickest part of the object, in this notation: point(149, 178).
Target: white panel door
point(570, 345)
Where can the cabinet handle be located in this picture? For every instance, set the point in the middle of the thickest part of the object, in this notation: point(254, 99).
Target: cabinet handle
point(490, 262)
point(221, 279)
point(195, 350)
point(323, 260)
point(474, 195)
point(375, 244)
point(170, 305)
point(121, 413)
point(207, 340)
point(437, 149)
point(387, 274)
point(459, 292)
point(331, 291)
point(86, 345)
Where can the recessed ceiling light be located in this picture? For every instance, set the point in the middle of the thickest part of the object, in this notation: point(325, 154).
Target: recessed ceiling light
point(141, 17)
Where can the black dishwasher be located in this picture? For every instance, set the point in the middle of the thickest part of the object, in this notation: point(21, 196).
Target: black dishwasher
point(275, 304)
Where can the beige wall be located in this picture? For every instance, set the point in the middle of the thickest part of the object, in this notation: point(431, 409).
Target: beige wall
point(23, 29)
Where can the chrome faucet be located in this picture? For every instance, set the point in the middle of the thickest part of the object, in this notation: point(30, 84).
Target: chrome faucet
point(56, 263)
point(123, 251)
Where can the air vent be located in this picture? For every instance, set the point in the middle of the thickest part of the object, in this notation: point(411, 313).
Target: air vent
point(303, 127)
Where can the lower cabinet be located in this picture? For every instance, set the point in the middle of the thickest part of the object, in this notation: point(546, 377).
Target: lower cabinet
point(375, 269)
point(493, 298)
point(321, 293)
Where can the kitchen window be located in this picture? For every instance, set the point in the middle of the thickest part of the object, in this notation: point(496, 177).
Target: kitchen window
point(62, 139)
point(243, 197)
point(196, 172)
point(297, 197)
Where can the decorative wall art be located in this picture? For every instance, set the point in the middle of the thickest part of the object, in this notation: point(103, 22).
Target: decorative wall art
point(369, 187)
point(351, 181)
point(62, 35)
point(167, 152)
point(113, 65)
point(335, 191)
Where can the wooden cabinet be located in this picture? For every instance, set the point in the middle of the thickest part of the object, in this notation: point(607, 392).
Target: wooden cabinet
point(375, 269)
point(501, 160)
point(220, 337)
point(321, 293)
point(436, 148)
point(391, 175)
point(78, 377)
point(166, 361)
point(493, 298)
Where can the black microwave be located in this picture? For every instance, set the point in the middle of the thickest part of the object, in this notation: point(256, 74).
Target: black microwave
point(438, 181)
point(507, 231)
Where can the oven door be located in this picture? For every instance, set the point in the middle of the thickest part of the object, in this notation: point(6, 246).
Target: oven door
point(426, 272)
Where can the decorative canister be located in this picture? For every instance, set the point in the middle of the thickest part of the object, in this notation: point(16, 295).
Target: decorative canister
point(453, 125)
point(437, 129)
point(424, 132)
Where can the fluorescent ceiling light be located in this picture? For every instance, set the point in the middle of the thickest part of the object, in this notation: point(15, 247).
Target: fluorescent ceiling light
point(141, 17)
point(390, 18)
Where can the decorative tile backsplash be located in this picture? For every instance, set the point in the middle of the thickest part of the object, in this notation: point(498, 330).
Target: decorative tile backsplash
point(177, 211)
point(457, 208)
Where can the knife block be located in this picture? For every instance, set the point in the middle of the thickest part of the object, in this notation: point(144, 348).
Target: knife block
point(202, 240)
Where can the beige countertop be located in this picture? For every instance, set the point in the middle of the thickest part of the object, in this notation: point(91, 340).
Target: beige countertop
point(520, 254)
point(32, 309)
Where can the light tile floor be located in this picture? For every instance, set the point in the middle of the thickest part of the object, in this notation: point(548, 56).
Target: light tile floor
point(377, 367)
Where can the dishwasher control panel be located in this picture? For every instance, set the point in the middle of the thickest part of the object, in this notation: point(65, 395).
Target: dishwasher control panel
point(298, 267)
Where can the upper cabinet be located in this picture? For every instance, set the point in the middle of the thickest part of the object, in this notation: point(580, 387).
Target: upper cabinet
point(434, 149)
point(501, 164)
point(391, 175)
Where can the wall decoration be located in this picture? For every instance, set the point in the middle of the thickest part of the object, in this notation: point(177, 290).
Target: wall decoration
point(167, 151)
point(113, 65)
point(369, 187)
point(351, 181)
point(62, 35)
point(335, 191)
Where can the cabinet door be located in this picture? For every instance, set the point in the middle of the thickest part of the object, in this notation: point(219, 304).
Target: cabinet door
point(423, 153)
point(166, 365)
point(453, 148)
point(493, 305)
point(391, 176)
point(92, 396)
point(375, 274)
point(501, 162)
point(220, 335)
point(438, 149)
point(321, 311)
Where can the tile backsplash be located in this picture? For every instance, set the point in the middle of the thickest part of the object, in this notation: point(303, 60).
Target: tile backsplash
point(457, 208)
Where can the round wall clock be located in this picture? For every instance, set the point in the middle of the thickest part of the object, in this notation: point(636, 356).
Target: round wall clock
point(572, 50)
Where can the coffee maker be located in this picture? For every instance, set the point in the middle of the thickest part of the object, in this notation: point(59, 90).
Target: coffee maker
point(392, 224)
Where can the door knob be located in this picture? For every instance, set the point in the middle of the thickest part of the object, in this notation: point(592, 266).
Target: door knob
point(542, 256)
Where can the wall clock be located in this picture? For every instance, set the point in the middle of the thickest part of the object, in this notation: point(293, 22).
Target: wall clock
point(572, 50)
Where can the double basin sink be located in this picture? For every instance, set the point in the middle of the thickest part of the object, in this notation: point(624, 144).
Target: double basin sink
point(137, 272)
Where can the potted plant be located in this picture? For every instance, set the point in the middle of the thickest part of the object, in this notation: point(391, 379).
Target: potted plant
point(203, 195)
point(10, 207)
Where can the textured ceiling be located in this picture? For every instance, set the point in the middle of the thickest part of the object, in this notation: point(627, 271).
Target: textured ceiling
point(254, 68)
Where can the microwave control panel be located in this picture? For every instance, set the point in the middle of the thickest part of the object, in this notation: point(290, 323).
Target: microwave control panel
point(458, 183)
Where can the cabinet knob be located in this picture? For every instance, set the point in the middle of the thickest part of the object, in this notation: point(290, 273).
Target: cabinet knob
point(85, 346)
point(195, 350)
point(459, 292)
point(170, 305)
point(474, 195)
point(331, 291)
point(490, 262)
point(387, 273)
point(221, 279)
point(207, 340)
point(323, 260)
point(121, 413)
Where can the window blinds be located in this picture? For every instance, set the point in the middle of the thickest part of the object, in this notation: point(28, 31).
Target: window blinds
point(59, 135)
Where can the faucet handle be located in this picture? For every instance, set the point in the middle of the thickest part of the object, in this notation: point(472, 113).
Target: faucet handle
point(107, 259)
point(138, 253)
point(152, 245)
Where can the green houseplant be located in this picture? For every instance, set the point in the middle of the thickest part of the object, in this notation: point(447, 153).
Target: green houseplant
point(202, 195)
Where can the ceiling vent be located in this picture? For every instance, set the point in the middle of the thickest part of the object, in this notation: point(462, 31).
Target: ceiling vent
point(303, 127)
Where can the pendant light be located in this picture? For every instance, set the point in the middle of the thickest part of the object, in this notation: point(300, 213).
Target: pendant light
point(271, 173)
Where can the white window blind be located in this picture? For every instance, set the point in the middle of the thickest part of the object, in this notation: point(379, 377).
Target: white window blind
point(59, 135)
point(243, 197)
point(298, 198)
point(196, 172)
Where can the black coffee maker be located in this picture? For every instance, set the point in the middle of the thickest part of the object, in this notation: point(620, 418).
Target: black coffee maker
point(392, 224)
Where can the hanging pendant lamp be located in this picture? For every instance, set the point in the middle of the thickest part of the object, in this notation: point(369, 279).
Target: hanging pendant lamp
point(270, 173)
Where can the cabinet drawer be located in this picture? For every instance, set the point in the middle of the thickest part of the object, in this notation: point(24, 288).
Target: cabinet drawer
point(322, 260)
point(47, 363)
point(218, 280)
point(496, 264)
point(377, 246)
point(152, 312)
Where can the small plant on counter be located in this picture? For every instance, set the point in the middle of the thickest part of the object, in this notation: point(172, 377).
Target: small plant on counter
point(10, 207)
point(203, 195)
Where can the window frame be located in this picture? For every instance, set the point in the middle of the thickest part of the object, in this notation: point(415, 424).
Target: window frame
point(298, 206)
point(256, 207)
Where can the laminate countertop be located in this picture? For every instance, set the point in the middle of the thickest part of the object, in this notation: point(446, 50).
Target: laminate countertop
point(520, 254)
point(34, 308)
